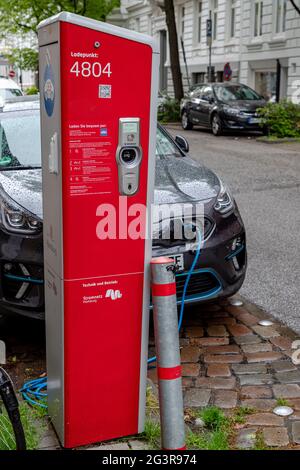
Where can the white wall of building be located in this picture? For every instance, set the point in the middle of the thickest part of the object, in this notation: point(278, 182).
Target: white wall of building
point(251, 38)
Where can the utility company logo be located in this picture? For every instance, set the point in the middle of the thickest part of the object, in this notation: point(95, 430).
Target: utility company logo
point(113, 294)
point(2, 352)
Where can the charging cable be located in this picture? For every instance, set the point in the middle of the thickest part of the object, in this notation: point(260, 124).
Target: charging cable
point(191, 270)
point(10, 401)
point(34, 392)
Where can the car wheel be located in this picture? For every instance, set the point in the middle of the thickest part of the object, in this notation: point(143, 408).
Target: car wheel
point(216, 125)
point(185, 122)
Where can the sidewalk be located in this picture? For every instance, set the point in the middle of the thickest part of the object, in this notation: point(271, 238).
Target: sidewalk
point(228, 360)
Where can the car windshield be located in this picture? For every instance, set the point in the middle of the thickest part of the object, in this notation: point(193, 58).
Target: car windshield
point(236, 92)
point(8, 93)
point(20, 140)
point(24, 150)
point(164, 145)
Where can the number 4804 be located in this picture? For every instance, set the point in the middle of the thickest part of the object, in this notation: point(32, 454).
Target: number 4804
point(88, 69)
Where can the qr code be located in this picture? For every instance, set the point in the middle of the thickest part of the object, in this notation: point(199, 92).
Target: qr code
point(104, 91)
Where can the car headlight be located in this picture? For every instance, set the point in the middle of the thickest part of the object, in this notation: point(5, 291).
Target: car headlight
point(231, 111)
point(224, 201)
point(15, 218)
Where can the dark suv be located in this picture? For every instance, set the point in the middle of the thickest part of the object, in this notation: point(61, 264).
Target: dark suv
point(222, 106)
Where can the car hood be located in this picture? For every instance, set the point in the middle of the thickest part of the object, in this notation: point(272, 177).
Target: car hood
point(250, 105)
point(178, 179)
point(181, 179)
point(25, 188)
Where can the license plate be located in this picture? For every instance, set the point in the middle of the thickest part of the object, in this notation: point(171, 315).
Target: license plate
point(254, 120)
point(179, 261)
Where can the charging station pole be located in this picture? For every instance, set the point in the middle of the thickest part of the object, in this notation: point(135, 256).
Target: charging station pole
point(98, 92)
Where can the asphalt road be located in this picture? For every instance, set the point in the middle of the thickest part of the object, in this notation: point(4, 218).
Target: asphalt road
point(265, 180)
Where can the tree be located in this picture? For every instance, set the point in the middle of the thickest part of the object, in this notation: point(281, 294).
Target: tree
point(297, 8)
point(25, 58)
point(174, 52)
point(23, 16)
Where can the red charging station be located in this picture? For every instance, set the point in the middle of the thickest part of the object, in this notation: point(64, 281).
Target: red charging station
point(98, 88)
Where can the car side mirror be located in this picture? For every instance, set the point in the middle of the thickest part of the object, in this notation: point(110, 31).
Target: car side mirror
point(182, 143)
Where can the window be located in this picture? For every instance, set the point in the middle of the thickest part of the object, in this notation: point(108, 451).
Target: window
point(207, 93)
point(199, 8)
point(137, 24)
point(214, 17)
point(198, 77)
point(280, 10)
point(258, 16)
point(164, 146)
point(181, 20)
point(25, 150)
point(232, 19)
point(235, 93)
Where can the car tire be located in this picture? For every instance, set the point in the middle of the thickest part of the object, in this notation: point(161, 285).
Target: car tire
point(216, 125)
point(185, 122)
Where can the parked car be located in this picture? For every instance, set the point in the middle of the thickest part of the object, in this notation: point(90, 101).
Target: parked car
point(222, 106)
point(222, 265)
point(8, 89)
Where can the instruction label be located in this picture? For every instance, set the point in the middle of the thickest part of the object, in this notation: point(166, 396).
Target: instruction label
point(90, 159)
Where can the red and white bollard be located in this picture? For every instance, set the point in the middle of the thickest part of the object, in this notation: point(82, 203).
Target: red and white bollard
point(167, 353)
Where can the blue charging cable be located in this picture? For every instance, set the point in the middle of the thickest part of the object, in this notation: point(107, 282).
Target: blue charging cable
point(194, 263)
point(34, 392)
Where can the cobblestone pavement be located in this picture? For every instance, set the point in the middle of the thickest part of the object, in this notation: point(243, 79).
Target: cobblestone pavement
point(228, 360)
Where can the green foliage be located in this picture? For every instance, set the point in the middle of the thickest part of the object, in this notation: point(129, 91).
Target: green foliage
point(23, 16)
point(241, 413)
point(282, 402)
point(152, 434)
point(282, 119)
point(259, 442)
point(216, 440)
point(25, 58)
point(213, 417)
point(217, 433)
point(169, 110)
point(31, 424)
point(32, 91)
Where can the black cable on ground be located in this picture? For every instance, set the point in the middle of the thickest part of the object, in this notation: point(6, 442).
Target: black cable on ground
point(10, 401)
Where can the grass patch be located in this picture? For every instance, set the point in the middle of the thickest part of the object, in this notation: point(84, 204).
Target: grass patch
point(32, 425)
point(259, 442)
point(152, 434)
point(282, 402)
point(214, 440)
point(213, 417)
point(216, 434)
point(240, 414)
point(220, 430)
point(152, 405)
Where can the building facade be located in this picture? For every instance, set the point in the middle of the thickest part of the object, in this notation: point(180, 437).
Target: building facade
point(260, 39)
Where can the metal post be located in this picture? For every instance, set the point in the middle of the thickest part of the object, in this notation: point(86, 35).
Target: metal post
point(209, 27)
point(278, 78)
point(185, 62)
point(168, 354)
